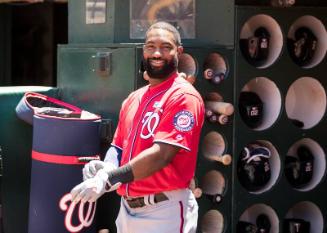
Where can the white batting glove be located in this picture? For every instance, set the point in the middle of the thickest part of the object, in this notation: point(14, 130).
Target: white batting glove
point(91, 168)
point(92, 188)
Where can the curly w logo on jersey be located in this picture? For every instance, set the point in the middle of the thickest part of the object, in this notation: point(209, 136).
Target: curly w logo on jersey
point(149, 124)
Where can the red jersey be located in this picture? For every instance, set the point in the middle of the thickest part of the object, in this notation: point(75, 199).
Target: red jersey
point(171, 112)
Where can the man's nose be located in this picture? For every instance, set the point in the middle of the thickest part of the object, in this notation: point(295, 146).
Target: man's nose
point(157, 53)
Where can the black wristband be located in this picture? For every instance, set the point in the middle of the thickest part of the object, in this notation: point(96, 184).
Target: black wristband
point(123, 175)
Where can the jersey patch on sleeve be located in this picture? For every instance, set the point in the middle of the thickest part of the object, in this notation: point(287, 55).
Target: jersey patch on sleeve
point(183, 121)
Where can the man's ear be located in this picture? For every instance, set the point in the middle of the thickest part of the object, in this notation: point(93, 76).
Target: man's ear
point(180, 50)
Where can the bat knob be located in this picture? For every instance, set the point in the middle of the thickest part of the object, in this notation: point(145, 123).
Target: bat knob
point(197, 192)
point(226, 159)
point(218, 198)
point(216, 79)
point(208, 73)
point(190, 79)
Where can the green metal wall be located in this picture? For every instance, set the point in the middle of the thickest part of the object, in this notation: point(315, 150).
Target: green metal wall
point(5, 45)
point(80, 82)
point(209, 13)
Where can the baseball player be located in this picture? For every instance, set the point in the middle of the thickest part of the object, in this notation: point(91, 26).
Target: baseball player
point(153, 154)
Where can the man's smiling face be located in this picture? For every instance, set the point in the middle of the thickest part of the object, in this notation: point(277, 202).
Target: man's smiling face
point(160, 54)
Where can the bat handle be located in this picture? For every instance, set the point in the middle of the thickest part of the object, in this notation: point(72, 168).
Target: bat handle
point(88, 158)
point(225, 159)
point(197, 192)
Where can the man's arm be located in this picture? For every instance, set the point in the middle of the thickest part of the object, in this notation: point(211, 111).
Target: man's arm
point(144, 164)
point(152, 160)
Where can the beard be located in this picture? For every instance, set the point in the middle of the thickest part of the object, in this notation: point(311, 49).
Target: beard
point(160, 73)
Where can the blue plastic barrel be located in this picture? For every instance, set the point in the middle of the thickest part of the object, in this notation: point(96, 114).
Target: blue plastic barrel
point(64, 139)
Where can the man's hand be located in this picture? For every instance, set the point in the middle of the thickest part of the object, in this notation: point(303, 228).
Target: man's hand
point(90, 169)
point(92, 188)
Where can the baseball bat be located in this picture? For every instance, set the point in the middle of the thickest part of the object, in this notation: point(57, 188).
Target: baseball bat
point(213, 118)
point(187, 66)
point(217, 78)
point(208, 73)
point(212, 222)
point(189, 78)
point(213, 144)
point(88, 159)
point(225, 159)
point(220, 107)
point(208, 112)
point(223, 119)
point(197, 192)
point(214, 68)
point(213, 185)
point(213, 96)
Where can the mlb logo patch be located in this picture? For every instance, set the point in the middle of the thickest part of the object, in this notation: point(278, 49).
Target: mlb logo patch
point(183, 121)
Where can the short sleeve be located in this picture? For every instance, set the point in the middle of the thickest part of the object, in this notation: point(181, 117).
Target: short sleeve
point(181, 121)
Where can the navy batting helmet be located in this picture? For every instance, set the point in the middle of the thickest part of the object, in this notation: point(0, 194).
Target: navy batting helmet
point(299, 168)
point(253, 168)
point(256, 48)
point(303, 47)
point(251, 108)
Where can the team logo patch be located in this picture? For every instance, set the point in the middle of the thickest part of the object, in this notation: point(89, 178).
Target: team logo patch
point(184, 121)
